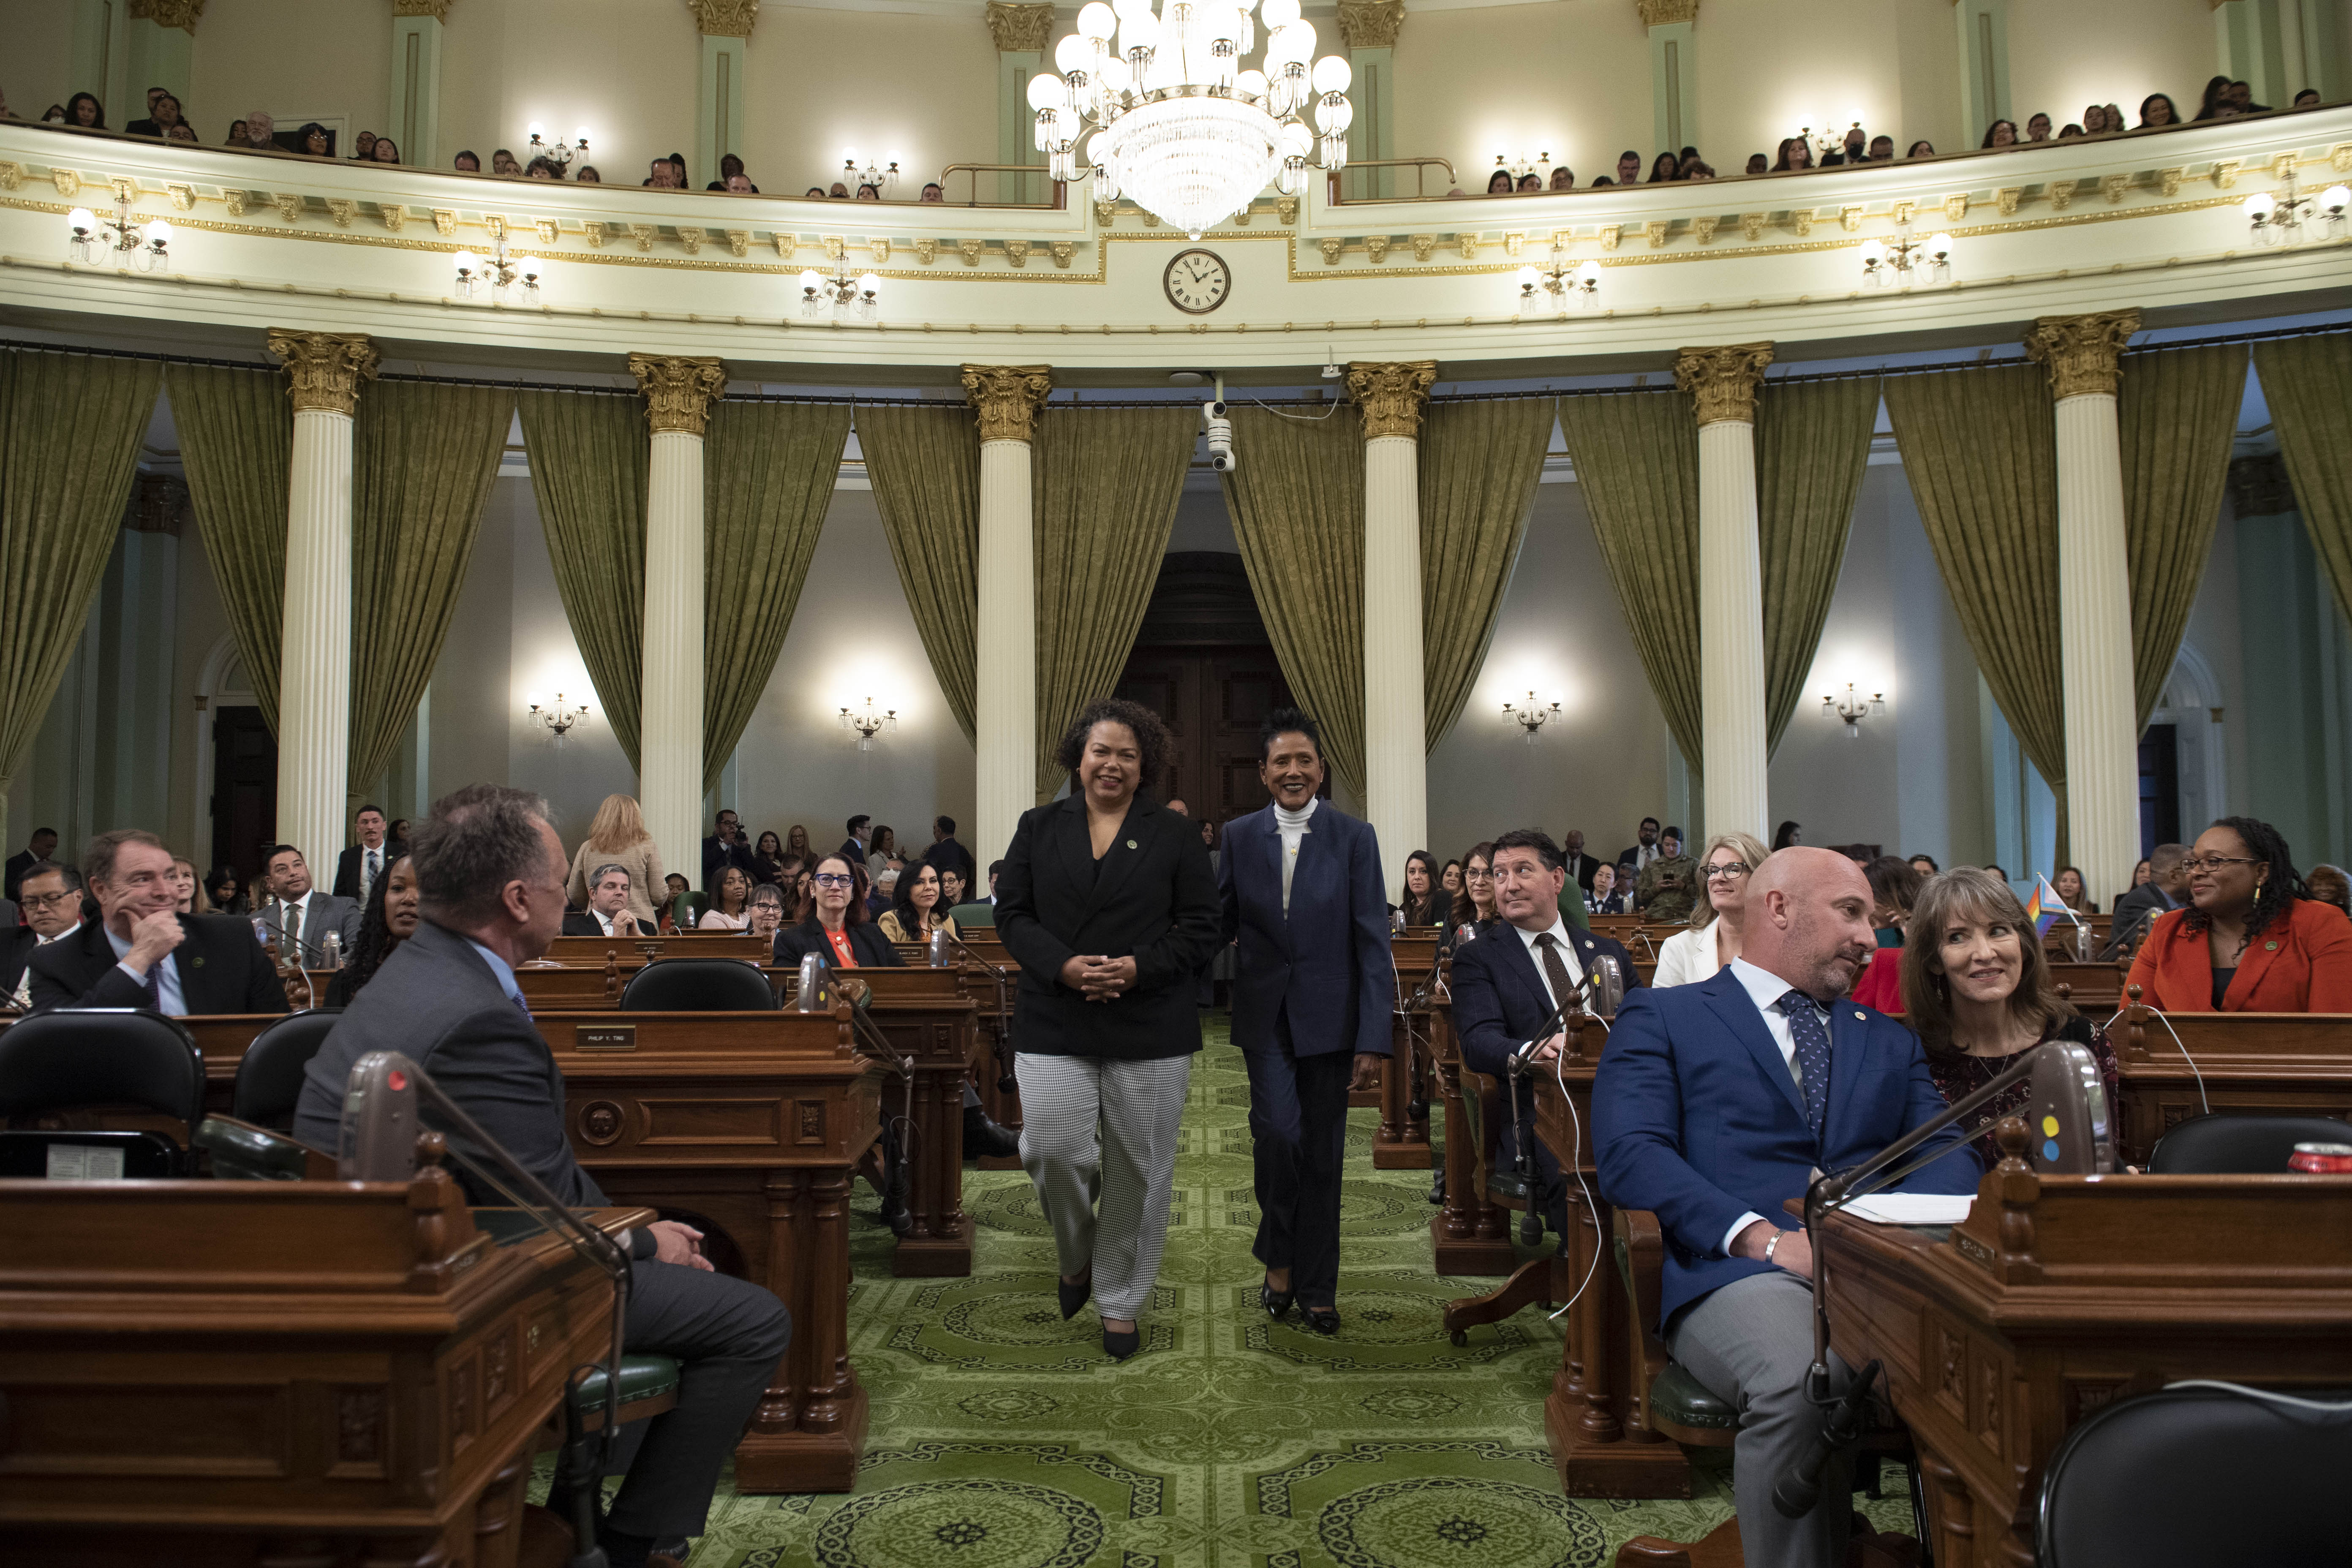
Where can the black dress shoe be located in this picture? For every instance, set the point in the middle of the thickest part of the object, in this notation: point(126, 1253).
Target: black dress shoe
point(1437, 1187)
point(1275, 1303)
point(1118, 1347)
point(984, 1139)
point(1074, 1297)
point(1322, 1320)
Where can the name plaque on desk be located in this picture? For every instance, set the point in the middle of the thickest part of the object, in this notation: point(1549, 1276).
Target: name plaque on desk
point(606, 1037)
point(650, 948)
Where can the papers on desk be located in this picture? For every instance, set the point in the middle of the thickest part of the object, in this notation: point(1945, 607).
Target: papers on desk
point(1913, 1208)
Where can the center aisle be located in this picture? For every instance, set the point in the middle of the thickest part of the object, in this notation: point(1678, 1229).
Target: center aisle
point(1003, 1438)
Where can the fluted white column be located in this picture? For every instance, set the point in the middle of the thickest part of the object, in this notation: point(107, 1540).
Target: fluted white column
point(314, 680)
point(2095, 620)
point(678, 393)
point(1390, 397)
point(1730, 586)
point(1007, 399)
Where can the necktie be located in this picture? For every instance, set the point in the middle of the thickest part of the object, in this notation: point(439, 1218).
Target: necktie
point(155, 986)
point(1812, 1042)
point(369, 882)
point(522, 1007)
point(1554, 969)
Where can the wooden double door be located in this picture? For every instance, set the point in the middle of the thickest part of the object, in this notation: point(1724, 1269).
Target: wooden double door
point(1213, 699)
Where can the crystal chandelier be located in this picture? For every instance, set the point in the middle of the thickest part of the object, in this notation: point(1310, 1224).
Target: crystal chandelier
point(840, 295)
point(556, 151)
point(118, 239)
point(559, 721)
point(868, 721)
point(498, 272)
point(1177, 124)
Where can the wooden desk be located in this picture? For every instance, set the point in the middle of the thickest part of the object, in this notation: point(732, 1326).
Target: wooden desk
point(591, 950)
point(925, 1015)
point(2059, 1294)
point(1402, 1142)
point(981, 969)
point(1468, 1234)
point(2282, 1063)
point(2096, 988)
point(745, 1124)
point(207, 1373)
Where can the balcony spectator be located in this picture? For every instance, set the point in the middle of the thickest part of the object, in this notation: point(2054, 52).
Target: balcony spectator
point(869, 194)
point(2000, 134)
point(588, 175)
point(2307, 99)
point(503, 165)
point(236, 133)
point(364, 147)
point(932, 193)
point(162, 115)
point(2156, 110)
point(466, 162)
point(1796, 156)
point(385, 150)
point(1499, 182)
point(840, 193)
point(677, 170)
point(2217, 92)
point(1563, 178)
point(152, 94)
point(2070, 133)
point(1629, 168)
point(2241, 98)
point(817, 190)
point(183, 131)
point(731, 169)
point(1854, 149)
point(1531, 182)
point(2116, 120)
point(541, 168)
point(1664, 169)
point(1757, 163)
point(2037, 126)
point(1922, 149)
point(1697, 170)
point(741, 186)
point(260, 132)
point(316, 141)
point(86, 111)
point(660, 176)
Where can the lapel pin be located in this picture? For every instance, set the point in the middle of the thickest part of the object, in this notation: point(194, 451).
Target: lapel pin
point(1131, 843)
point(200, 961)
point(2270, 947)
point(1858, 1017)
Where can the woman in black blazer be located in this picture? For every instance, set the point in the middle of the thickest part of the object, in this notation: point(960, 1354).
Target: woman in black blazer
point(1106, 901)
point(837, 929)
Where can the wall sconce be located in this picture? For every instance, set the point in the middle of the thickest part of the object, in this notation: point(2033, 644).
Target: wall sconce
point(1579, 286)
point(1531, 715)
point(498, 272)
point(556, 153)
point(2279, 220)
point(869, 722)
point(1520, 166)
point(94, 238)
point(1853, 708)
point(557, 720)
point(1931, 259)
point(840, 295)
point(880, 173)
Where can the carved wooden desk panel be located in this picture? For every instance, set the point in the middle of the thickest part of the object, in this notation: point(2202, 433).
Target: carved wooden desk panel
point(591, 950)
point(2059, 1294)
point(222, 1373)
point(746, 1123)
point(1402, 1142)
point(1469, 1234)
point(926, 1016)
point(2292, 1063)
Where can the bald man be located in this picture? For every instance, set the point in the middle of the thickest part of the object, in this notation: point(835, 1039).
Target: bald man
point(1712, 1106)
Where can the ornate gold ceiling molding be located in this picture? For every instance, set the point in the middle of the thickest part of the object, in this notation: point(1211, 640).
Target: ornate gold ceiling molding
point(1370, 23)
point(436, 9)
point(2080, 352)
point(678, 390)
point(1007, 397)
point(180, 13)
point(1390, 395)
point(1666, 12)
point(1723, 380)
point(1019, 29)
point(324, 369)
point(724, 19)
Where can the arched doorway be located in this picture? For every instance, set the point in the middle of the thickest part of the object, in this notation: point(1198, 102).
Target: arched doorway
point(237, 764)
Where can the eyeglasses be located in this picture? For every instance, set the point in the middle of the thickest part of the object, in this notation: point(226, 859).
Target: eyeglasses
point(1479, 876)
point(46, 900)
point(2196, 863)
point(1726, 870)
point(834, 879)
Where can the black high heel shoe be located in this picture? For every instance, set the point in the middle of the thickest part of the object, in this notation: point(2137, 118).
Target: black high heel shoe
point(1275, 1303)
point(1074, 1297)
point(1119, 1346)
point(1324, 1321)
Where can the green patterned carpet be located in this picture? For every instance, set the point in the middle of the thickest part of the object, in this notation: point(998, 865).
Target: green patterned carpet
point(1003, 1438)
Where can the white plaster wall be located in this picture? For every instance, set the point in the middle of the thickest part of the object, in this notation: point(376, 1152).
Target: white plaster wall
point(1764, 73)
point(625, 69)
point(1572, 78)
point(816, 81)
point(36, 67)
point(2063, 57)
point(321, 59)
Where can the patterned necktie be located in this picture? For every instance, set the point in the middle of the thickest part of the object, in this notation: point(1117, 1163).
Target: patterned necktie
point(1555, 970)
point(1812, 1043)
point(369, 882)
point(522, 1007)
point(155, 986)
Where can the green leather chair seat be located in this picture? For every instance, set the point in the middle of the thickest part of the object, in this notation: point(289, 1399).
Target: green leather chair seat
point(642, 1377)
point(1678, 1397)
point(973, 915)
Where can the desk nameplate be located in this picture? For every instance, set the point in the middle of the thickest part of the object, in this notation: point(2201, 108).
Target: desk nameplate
point(606, 1037)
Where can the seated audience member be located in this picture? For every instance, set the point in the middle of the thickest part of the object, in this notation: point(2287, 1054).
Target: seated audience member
point(364, 147)
point(952, 889)
point(1789, 833)
point(588, 175)
point(730, 902)
point(916, 909)
point(1563, 178)
point(1851, 148)
point(2141, 874)
point(466, 162)
point(389, 920)
point(608, 912)
point(260, 133)
point(817, 191)
point(142, 952)
point(2241, 98)
point(2156, 110)
point(1922, 149)
point(2000, 134)
point(2068, 884)
point(226, 896)
point(767, 859)
point(1509, 982)
point(932, 193)
point(2251, 939)
point(1977, 990)
point(673, 888)
point(1893, 889)
point(1530, 184)
point(1713, 937)
point(50, 897)
point(1629, 167)
point(541, 168)
point(299, 918)
point(1925, 865)
point(2307, 99)
point(1712, 1106)
point(1757, 163)
point(1882, 150)
point(2037, 126)
point(884, 890)
point(84, 109)
point(1473, 906)
point(2217, 92)
point(504, 164)
point(2071, 132)
point(162, 113)
point(840, 193)
point(192, 899)
point(386, 150)
point(1449, 877)
point(869, 192)
point(491, 873)
point(1796, 156)
point(1423, 903)
point(740, 185)
point(836, 928)
point(2166, 888)
point(2329, 884)
point(1664, 168)
point(55, 114)
point(1606, 898)
point(677, 170)
point(316, 139)
point(2094, 121)
point(1668, 886)
point(2116, 120)
point(767, 914)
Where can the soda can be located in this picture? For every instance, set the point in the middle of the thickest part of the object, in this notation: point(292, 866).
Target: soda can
point(2322, 1159)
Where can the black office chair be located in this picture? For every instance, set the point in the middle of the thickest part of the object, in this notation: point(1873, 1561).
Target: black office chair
point(2228, 1145)
point(699, 985)
point(99, 1055)
point(2196, 1476)
point(270, 1078)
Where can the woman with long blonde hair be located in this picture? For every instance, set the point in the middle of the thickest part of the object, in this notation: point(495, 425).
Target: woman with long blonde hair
point(618, 837)
point(1718, 918)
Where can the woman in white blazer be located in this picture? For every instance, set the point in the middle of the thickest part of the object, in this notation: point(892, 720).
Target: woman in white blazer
point(1713, 939)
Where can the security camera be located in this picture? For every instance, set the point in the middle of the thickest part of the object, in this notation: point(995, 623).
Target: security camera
point(1220, 431)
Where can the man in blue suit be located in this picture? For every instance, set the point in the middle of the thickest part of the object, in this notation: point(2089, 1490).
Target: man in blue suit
point(1313, 989)
point(1713, 1105)
point(1507, 984)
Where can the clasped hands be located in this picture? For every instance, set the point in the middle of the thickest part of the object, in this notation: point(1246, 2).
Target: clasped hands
point(1099, 979)
point(1794, 1254)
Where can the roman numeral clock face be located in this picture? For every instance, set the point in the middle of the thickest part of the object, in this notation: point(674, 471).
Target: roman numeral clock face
point(1198, 281)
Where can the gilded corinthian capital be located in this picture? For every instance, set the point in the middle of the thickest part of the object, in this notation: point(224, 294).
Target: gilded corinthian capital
point(678, 391)
point(180, 13)
point(1390, 395)
point(724, 19)
point(1664, 13)
point(1723, 380)
point(324, 369)
point(1370, 23)
point(1020, 30)
point(1007, 398)
point(2080, 352)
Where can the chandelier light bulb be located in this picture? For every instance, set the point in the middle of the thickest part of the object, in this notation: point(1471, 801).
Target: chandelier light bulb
point(811, 280)
point(466, 262)
point(82, 221)
point(537, 131)
point(2259, 205)
point(2335, 199)
point(1334, 114)
point(1528, 277)
point(581, 136)
point(849, 155)
point(1137, 29)
point(1097, 22)
point(869, 284)
point(1250, 84)
point(1873, 253)
point(1279, 13)
point(1939, 248)
point(1044, 90)
point(159, 234)
point(534, 272)
point(1333, 74)
point(1588, 276)
point(1073, 52)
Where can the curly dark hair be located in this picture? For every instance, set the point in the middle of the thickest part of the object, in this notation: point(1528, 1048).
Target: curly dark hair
point(2273, 894)
point(370, 948)
point(1150, 733)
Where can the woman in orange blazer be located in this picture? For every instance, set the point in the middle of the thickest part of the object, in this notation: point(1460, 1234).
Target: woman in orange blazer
point(2250, 939)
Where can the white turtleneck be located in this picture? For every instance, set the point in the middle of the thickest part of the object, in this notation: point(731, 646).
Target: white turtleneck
point(1293, 825)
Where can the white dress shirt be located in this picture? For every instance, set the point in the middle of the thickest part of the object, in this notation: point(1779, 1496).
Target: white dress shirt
point(1765, 989)
point(166, 973)
point(1292, 827)
point(1558, 932)
point(24, 998)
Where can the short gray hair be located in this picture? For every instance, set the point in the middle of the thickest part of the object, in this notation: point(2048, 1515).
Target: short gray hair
point(606, 869)
point(476, 840)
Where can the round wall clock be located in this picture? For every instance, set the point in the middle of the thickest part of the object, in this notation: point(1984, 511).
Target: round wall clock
point(1197, 281)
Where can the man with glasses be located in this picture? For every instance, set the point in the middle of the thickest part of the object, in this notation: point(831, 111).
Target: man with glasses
point(50, 897)
point(142, 951)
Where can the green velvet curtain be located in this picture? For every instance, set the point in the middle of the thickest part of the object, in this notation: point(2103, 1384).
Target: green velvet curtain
point(2179, 412)
point(69, 430)
point(924, 465)
point(2307, 382)
point(1105, 482)
point(1980, 448)
point(237, 445)
point(1480, 464)
point(1297, 506)
point(768, 472)
point(1637, 456)
point(424, 457)
point(590, 458)
point(1812, 443)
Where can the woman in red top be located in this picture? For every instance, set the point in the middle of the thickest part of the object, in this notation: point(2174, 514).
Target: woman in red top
point(2250, 939)
point(837, 928)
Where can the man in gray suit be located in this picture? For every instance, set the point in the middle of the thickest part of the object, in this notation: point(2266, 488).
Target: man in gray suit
point(301, 911)
point(490, 872)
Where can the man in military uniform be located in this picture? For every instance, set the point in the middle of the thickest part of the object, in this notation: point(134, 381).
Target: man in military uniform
point(1669, 884)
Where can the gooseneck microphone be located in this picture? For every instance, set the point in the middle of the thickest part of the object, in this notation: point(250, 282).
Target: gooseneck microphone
point(1797, 1494)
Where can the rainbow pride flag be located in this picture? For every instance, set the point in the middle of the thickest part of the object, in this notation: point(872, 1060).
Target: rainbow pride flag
point(2044, 913)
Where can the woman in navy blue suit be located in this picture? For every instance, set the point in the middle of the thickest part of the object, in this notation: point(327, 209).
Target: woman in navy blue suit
point(1314, 983)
